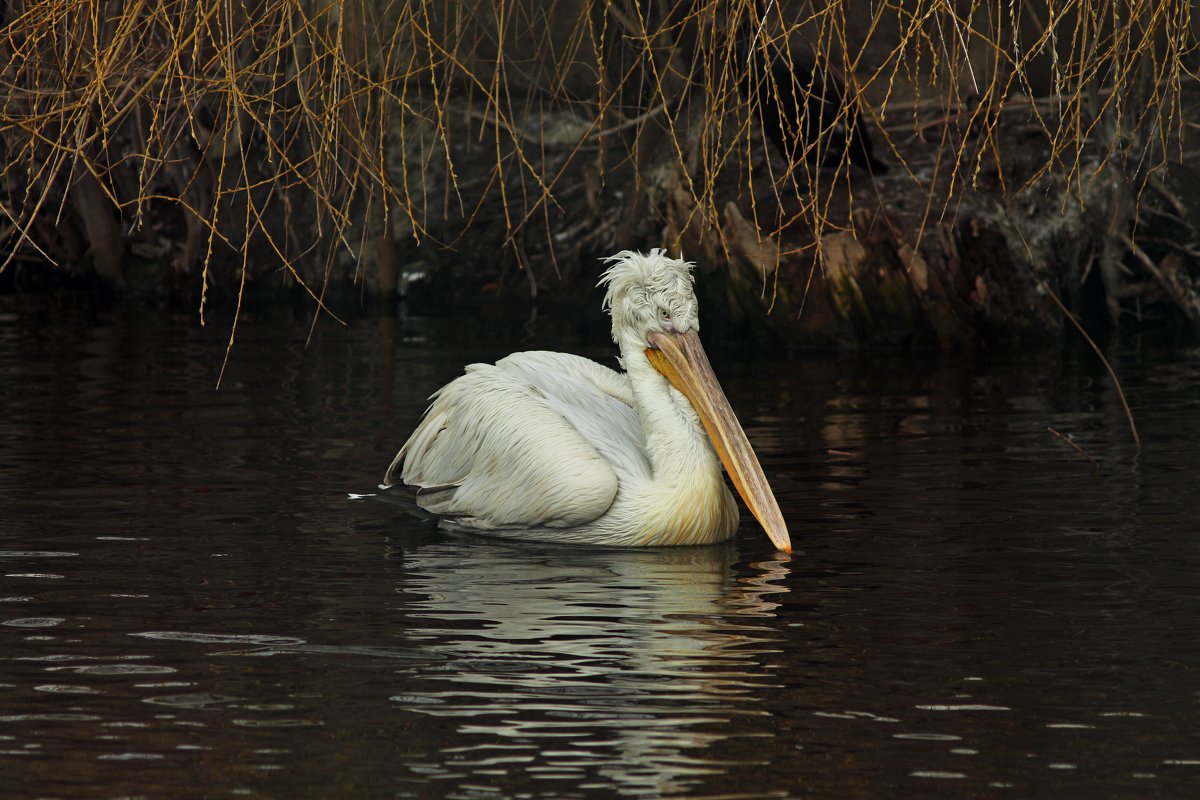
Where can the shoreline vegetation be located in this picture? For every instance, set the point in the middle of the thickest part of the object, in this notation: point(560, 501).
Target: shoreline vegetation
point(855, 172)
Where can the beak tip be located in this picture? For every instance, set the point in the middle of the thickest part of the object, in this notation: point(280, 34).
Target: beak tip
point(780, 538)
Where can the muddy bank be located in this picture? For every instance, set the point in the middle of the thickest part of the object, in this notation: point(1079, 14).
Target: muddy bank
point(922, 254)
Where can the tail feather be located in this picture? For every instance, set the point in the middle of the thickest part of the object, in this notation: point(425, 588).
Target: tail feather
point(404, 498)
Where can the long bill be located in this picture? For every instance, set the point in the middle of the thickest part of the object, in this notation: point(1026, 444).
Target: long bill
point(681, 358)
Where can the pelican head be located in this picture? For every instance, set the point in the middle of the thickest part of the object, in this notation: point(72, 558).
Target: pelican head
point(654, 316)
point(648, 293)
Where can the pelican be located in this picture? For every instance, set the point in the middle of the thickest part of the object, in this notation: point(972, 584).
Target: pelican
point(555, 447)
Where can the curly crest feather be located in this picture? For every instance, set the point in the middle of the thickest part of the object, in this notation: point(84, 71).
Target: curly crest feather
point(646, 288)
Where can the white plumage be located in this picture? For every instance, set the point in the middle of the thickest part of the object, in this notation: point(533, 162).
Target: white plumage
point(545, 445)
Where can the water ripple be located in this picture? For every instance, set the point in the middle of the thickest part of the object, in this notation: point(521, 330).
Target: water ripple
point(114, 669)
point(35, 554)
point(928, 737)
point(34, 622)
point(219, 638)
point(193, 700)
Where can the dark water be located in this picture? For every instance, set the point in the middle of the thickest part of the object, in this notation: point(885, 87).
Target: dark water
point(191, 606)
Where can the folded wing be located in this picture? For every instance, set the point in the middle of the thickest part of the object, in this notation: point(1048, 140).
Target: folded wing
point(536, 440)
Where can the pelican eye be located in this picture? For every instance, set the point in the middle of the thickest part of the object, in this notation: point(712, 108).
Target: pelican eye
point(662, 312)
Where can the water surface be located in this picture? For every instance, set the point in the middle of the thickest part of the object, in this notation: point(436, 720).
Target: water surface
point(192, 606)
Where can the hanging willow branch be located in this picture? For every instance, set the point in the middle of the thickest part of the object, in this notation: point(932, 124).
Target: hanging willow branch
point(190, 133)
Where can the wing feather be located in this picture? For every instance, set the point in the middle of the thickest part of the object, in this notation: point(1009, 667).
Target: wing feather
point(596, 400)
point(522, 444)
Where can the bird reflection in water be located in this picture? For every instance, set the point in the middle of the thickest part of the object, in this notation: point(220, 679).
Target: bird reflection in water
point(621, 663)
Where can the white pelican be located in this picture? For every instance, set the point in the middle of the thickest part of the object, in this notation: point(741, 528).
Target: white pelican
point(556, 447)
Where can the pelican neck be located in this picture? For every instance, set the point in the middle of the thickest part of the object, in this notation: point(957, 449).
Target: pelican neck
point(675, 439)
